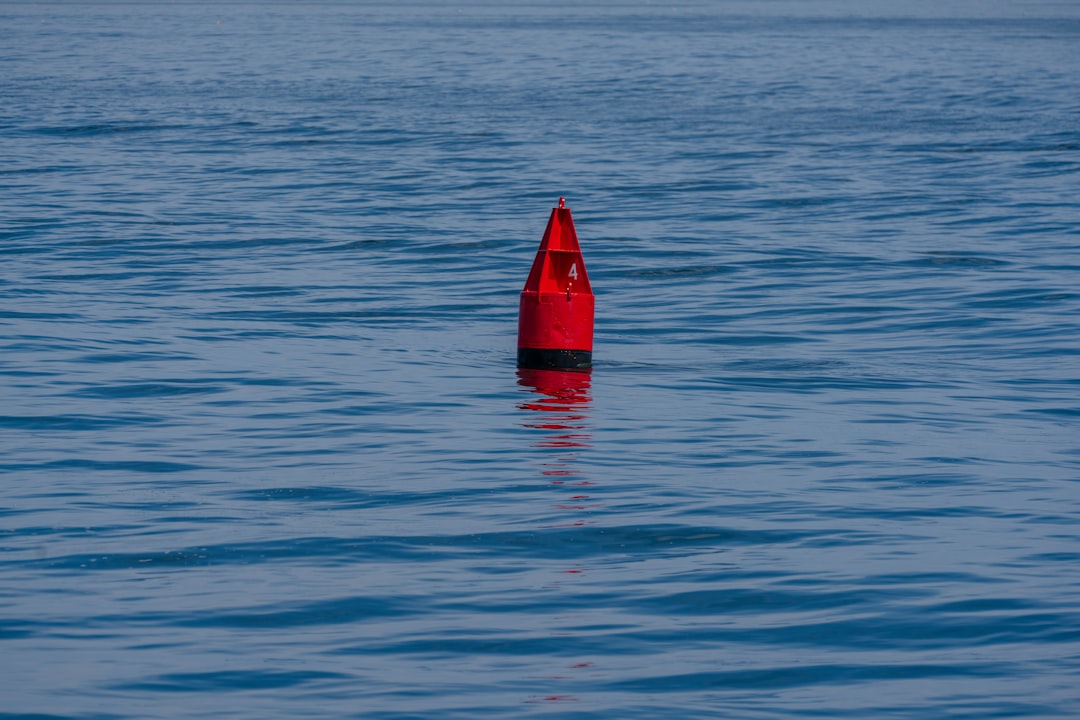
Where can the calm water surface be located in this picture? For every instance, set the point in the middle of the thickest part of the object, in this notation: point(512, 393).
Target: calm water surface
point(265, 451)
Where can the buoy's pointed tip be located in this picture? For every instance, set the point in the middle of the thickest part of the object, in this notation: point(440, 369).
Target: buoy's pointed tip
point(562, 202)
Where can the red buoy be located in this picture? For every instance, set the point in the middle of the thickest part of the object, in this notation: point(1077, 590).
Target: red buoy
point(555, 320)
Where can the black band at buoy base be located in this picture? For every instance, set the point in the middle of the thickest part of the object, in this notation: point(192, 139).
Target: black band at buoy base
point(554, 359)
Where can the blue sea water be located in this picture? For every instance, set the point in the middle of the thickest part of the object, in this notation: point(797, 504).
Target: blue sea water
point(265, 453)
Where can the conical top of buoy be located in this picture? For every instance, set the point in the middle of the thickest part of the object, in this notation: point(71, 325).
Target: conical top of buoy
point(559, 265)
point(555, 322)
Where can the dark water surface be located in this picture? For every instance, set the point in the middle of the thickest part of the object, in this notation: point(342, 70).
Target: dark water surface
point(265, 453)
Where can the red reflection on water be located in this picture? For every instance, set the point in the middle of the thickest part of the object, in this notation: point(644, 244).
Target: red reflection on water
point(535, 699)
point(563, 400)
point(560, 388)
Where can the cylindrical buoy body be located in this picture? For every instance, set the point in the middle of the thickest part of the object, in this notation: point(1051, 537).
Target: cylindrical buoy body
point(555, 319)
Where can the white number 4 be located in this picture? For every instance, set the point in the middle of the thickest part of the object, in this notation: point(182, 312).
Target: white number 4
point(573, 271)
